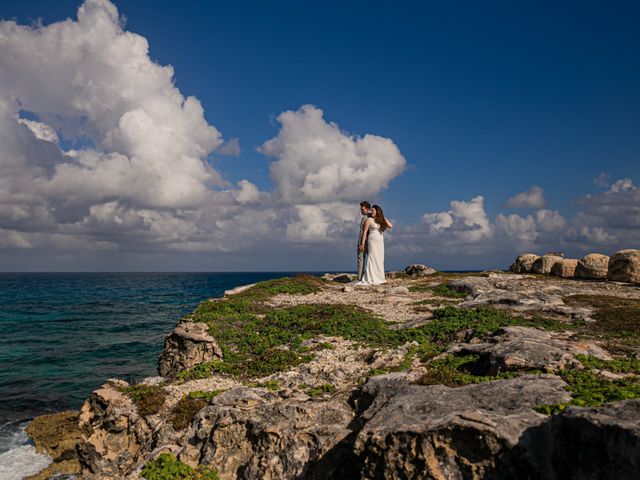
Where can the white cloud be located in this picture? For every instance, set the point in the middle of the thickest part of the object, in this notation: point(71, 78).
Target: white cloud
point(602, 180)
point(317, 162)
point(532, 198)
point(464, 223)
point(231, 148)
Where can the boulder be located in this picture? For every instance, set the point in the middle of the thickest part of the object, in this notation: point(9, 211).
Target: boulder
point(624, 266)
point(564, 268)
point(343, 278)
point(437, 432)
point(592, 267)
point(544, 263)
point(189, 344)
point(419, 270)
point(523, 263)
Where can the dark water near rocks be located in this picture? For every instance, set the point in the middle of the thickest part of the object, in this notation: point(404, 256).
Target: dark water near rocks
point(63, 334)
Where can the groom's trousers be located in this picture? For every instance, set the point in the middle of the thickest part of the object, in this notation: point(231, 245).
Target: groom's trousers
point(362, 259)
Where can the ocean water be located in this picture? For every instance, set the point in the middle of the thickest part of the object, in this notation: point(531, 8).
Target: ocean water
point(63, 334)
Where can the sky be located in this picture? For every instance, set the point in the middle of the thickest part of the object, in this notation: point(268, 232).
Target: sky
point(230, 136)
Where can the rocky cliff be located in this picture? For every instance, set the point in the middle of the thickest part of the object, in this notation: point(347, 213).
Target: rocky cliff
point(431, 376)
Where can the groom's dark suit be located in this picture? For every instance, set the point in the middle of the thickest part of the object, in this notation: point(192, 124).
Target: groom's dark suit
point(362, 256)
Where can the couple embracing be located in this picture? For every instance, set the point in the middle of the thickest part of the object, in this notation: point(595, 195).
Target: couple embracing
point(371, 245)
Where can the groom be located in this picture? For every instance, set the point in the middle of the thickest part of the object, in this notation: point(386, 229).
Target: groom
point(365, 209)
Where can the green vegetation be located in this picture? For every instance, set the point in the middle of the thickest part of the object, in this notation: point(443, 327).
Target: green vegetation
point(454, 371)
point(185, 410)
point(147, 398)
point(623, 365)
point(615, 317)
point(315, 391)
point(444, 290)
point(272, 385)
point(166, 467)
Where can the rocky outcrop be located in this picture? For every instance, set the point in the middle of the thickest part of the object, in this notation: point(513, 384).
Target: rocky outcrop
point(523, 263)
point(57, 435)
point(624, 266)
point(251, 433)
point(419, 270)
point(116, 435)
point(544, 263)
point(189, 344)
point(437, 432)
point(564, 268)
point(525, 348)
point(592, 267)
point(582, 444)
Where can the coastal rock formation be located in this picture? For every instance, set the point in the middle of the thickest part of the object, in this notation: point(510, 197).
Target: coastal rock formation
point(592, 267)
point(189, 344)
point(437, 432)
point(525, 348)
point(564, 268)
point(624, 266)
point(523, 263)
point(419, 270)
point(251, 434)
point(544, 263)
point(58, 435)
point(116, 435)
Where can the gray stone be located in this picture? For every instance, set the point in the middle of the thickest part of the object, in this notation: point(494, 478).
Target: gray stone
point(400, 290)
point(592, 267)
point(624, 266)
point(523, 263)
point(419, 270)
point(189, 344)
point(437, 432)
point(343, 278)
point(526, 348)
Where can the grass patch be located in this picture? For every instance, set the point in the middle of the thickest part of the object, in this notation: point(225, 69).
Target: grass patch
point(185, 410)
point(615, 316)
point(444, 290)
point(322, 389)
point(591, 390)
point(166, 467)
point(623, 365)
point(147, 398)
point(455, 371)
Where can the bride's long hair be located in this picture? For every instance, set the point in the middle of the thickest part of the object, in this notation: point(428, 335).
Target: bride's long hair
point(379, 218)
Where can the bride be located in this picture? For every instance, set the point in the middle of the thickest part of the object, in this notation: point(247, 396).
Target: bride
point(373, 229)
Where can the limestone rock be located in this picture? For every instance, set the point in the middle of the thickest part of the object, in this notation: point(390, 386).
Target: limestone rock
point(347, 289)
point(343, 278)
point(593, 267)
point(526, 348)
point(239, 289)
point(544, 263)
point(564, 268)
point(436, 432)
point(189, 344)
point(419, 270)
point(58, 436)
point(624, 266)
point(116, 436)
point(523, 263)
point(249, 434)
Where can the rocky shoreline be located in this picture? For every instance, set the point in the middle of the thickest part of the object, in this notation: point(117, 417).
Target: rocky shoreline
point(433, 375)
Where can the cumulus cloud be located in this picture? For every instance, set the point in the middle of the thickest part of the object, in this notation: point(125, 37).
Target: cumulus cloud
point(602, 180)
point(464, 223)
point(316, 162)
point(532, 198)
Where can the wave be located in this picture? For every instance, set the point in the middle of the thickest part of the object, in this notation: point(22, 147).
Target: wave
point(18, 457)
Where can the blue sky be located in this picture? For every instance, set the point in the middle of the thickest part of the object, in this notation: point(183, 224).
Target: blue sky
point(481, 98)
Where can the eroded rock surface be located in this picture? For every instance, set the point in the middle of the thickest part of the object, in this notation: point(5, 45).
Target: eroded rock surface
point(437, 432)
point(544, 263)
point(523, 263)
point(564, 268)
point(525, 348)
point(592, 267)
point(189, 344)
point(419, 270)
point(624, 266)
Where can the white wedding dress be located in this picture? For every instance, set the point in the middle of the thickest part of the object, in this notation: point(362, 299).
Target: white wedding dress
point(374, 268)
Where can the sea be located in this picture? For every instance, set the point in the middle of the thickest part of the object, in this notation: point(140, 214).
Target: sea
point(63, 334)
